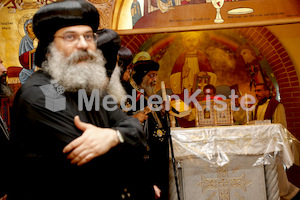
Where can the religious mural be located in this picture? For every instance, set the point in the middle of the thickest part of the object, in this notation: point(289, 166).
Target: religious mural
point(136, 12)
point(27, 48)
point(16, 27)
point(223, 58)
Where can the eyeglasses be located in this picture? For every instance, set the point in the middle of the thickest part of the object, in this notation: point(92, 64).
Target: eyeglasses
point(74, 37)
point(152, 75)
point(129, 70)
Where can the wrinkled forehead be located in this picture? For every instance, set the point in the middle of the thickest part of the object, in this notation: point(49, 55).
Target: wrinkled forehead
point(79, 29)
point(150, 75)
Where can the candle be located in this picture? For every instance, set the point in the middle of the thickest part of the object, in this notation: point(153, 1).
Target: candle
point(163, 91)
point(246, 102)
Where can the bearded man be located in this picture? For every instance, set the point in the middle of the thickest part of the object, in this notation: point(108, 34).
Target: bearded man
point(268, 108)
point(155, 125)
point(69, 152)
point(5, 90)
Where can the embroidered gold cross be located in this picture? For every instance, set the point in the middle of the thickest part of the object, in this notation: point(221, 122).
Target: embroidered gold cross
point(223, 183)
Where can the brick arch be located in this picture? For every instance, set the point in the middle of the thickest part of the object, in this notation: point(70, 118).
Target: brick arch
point(283, 69)
point(278, 59)
point(133, 42)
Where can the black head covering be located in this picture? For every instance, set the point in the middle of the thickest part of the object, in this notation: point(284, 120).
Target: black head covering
point(142, 67)
point(109, 42)
point(125, 58)
point(52, 17)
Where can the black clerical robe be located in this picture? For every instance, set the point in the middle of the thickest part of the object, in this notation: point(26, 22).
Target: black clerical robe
point(157, 157)
point(40, 170)
point(4, 139)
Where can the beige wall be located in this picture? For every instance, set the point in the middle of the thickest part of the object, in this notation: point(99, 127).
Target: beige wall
point(289, 36)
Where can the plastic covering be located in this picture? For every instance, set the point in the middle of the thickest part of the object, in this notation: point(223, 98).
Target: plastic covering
point(217, 145)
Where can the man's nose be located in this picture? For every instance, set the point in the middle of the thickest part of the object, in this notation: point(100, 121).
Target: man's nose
point(82, 44)
point(2, 69)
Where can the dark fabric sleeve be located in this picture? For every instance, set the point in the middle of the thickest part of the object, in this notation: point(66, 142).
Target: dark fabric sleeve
point(129, 127)
point(4, 138)
point(37, 140)
point(40, 128)
point(43, 130)
point(38, 136)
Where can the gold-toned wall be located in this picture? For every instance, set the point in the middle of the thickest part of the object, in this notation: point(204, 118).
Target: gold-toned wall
point(289, 36)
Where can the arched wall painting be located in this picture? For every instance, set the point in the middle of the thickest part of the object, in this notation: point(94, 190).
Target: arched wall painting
point(220, 48)
point(229, 58)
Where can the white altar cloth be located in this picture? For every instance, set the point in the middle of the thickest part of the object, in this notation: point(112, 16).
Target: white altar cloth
point(215, 144)
point(230, 162)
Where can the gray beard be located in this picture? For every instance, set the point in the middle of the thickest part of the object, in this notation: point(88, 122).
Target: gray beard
point(73, 76)
point(149, 90)
point(6, 90)
point(115, 87)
